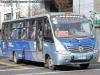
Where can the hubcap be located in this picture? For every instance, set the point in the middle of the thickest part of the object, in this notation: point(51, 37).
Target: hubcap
point(14, 58)
point(50, 62)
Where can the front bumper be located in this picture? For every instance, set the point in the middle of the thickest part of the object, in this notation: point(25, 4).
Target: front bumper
point(73, 58)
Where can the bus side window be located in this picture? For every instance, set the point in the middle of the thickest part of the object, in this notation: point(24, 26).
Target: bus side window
point(3, 32)
point(28, 30)
point(31, 28)
point(21, 33)
point(23, 28)
point(13, 30)
point(10, 31)
point(6, 31)
point(47, 33)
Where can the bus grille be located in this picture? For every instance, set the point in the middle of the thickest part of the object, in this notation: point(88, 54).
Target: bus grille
point(76, 48)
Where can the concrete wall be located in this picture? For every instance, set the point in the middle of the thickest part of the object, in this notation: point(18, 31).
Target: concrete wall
point(85, 7)
point(47, 7)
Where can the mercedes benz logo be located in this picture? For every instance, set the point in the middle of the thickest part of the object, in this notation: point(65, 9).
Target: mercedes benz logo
point(80, 48)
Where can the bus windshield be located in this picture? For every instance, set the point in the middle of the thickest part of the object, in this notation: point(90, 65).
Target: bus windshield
point(71, 26)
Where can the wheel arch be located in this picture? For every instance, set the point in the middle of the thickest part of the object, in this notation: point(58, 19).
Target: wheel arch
point(46, 57)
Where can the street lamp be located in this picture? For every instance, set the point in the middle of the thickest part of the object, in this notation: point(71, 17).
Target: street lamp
point(93, 13)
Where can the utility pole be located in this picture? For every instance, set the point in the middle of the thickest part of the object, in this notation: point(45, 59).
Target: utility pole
point(99, 6)
point(11, 10)
point(79, 6)
point(19, 9)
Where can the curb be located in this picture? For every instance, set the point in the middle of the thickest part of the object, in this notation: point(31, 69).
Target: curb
point(99, 59)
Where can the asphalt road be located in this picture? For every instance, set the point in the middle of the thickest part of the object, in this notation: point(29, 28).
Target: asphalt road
point(7, 67)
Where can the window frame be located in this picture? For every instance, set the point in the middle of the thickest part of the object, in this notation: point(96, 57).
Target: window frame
point(51, 41)
point(30, 20)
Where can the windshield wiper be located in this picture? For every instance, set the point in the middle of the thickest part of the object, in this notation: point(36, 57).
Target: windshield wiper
point(75, 38)
point(85, 37)
point(65, 37)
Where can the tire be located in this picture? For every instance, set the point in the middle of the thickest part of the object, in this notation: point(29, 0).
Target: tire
point(45, 65)
point(84, 66)
point(50, 64)
point(15, 59)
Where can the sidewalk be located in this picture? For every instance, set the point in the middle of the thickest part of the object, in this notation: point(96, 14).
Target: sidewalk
point(99, 56)
point(99, 59)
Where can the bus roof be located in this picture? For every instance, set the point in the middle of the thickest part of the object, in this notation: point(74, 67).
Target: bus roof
point(37, 16)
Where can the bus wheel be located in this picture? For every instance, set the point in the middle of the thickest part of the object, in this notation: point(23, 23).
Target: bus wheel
point(50, 64)
point(15, 59)
point(84, 66)
point(45, 65)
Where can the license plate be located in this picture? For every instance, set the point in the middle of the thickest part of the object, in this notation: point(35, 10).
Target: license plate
point(81, 57)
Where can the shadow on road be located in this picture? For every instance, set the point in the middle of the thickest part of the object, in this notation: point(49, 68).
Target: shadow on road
point(28, 63)
point(60, 68)
point(33, 63)
point(69, 68)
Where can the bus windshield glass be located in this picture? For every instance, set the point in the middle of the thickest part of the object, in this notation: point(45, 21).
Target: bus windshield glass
point(71, 26)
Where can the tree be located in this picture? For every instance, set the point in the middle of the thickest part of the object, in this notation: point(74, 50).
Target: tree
point(29, 10)
point(32, 9)
point(20, 10)
point(63, 5)
point(36, 10)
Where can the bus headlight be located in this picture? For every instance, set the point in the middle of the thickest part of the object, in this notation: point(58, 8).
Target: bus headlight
point(63, 52)
point(95, 51)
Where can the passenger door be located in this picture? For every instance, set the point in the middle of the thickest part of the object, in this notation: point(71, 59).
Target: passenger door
point(5, 42)
point(39, 29)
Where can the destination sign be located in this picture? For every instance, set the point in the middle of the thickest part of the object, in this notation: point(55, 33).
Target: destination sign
point(68, 18)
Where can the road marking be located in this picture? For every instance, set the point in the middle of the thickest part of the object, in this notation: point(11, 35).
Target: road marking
point(22, 67)
point(45, 73)
point(99, 59)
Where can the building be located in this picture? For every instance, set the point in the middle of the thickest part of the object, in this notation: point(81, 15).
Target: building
point(79, 6)
point(1, 15)
point(85, 6)
point(16, 10)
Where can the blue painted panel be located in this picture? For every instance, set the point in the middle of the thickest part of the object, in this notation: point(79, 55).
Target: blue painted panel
point(49, 48)
point(18, 47)
point(10, 52)
point(5, 52)
point(73, 42)
point(28, 56)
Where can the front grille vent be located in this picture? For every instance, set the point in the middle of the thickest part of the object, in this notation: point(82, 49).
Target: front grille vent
point(76, 48)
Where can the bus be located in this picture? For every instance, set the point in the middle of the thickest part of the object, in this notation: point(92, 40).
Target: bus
point(53, 39)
